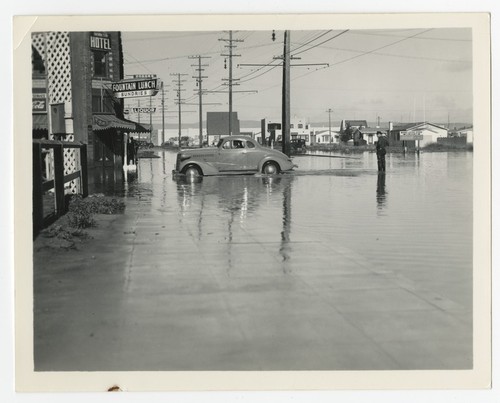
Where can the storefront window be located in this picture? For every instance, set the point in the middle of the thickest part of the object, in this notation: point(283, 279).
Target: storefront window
point(102, 102)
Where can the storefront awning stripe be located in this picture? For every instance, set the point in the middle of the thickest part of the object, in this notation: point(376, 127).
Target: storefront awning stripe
point(108, 121)
point(40, 121)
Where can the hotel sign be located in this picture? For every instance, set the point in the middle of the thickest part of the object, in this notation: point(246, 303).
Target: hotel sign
point(100, 41)
point(137, 88)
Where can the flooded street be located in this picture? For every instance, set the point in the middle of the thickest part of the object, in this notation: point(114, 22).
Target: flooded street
point(332, 266)
point(416, 220)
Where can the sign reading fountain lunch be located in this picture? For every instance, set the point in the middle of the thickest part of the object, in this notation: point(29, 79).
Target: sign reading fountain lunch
point(135, 88)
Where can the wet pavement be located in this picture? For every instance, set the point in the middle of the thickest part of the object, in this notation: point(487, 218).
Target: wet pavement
point(333, 267)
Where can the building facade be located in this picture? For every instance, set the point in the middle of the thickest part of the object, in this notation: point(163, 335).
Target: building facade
point(72, 97)
point(299, 129)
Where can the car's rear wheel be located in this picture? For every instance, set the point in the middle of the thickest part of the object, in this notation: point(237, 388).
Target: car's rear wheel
point(271, 168)
point(192, 171)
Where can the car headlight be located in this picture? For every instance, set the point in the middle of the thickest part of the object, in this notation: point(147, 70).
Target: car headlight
point(184, 157)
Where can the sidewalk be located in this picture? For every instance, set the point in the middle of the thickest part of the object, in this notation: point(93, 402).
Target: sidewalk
point(150, 292)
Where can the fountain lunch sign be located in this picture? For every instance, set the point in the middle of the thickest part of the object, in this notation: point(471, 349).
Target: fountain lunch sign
point(135, 88)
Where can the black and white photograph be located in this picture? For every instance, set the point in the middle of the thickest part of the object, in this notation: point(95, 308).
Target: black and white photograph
point(256, 196)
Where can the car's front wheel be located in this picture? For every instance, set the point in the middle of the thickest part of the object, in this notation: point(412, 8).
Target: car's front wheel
point(192, 171)
point(271, 168)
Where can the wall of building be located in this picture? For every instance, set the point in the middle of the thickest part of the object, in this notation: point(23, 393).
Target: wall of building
point(85, 85)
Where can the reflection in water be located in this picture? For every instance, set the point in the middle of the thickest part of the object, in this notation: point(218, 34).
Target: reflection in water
point(237, 202)
point(108, 180)
point(285, 248)
point(381, 199)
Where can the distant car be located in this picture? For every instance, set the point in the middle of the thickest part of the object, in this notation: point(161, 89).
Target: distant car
point(297, 146)
point(233, 155)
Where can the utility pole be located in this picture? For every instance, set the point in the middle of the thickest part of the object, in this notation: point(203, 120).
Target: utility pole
point(378, 121)
point(199, 84)
point(285, 112)
point(330, 123)
point(179, 100)
point(150, 120)
point(230, 80)
point(162, 114)
point(138, 111)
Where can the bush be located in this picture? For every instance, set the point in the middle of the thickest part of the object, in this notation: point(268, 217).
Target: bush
point(80, 214)
point(81, 211)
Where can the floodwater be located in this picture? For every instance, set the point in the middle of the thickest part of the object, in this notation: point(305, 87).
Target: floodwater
point(416, 219)
point(332, 267)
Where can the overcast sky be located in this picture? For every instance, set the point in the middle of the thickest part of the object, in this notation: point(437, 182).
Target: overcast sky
point(398, 75)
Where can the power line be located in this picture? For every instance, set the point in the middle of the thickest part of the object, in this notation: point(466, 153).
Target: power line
point(312, 40)
point(315, 46)
point(365, 53)
point(419, 38)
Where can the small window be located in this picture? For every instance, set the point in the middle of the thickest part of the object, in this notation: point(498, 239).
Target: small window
point(100, 67)
point(291, 125)
point(238, 144)
point(301, 126)
point(250, 144)
point(37, 64)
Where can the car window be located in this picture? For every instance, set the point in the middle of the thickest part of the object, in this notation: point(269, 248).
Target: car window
point(226, 145)
point(250, 144)
point(238, 144)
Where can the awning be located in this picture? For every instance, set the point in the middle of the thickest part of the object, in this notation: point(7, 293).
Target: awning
point(102, 121)
point(40, 121)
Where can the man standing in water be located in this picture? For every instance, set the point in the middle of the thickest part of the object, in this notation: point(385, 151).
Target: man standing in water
point(381, 144)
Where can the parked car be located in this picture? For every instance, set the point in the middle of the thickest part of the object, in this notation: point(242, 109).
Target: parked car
point(233, 155)
point(297, 146)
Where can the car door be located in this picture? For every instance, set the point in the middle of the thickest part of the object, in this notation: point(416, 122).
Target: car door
point(232, 156)
point(253, 156)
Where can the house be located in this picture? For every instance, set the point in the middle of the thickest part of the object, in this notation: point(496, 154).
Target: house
point(358, 124)
point(467, 132)
point(430, 132)
point(322, 135)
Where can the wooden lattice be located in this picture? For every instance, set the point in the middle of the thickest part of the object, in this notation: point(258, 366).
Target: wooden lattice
point(54, 48)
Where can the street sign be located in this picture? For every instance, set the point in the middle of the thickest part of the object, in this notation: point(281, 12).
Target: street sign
point(135, 88)
point(411, 136)
point(144, 110)
point(144, 75)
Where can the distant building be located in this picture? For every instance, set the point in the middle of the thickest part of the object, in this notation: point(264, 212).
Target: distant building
point(299, 129)
point(358, 124)
point(467, 132)
point(430, 132)
point(218, 125)
point(322, 135)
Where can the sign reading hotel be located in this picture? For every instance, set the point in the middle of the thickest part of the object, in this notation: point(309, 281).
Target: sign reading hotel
point(411, 136)
point(100, 41)
point(138, 88)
